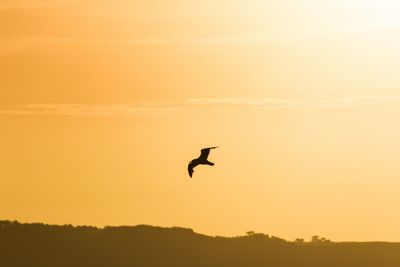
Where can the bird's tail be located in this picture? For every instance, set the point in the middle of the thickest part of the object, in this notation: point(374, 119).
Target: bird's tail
point(210, 163)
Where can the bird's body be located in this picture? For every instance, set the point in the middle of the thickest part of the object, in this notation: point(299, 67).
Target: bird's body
point(201, 160)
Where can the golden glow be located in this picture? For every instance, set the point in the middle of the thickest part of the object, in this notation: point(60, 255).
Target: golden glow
point(103, 103)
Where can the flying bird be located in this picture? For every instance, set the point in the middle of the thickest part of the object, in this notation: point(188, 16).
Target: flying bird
point(201, 160)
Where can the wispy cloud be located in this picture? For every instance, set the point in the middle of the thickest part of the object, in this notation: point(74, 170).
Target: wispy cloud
point(8, 47)
point(183, 38)
point(188, 38)
point(197, 106)
point(32, 4)
point(281, 103)
point(151, 108)
point(14, 46)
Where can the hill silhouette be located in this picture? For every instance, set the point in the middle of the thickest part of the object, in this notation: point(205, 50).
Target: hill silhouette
point(85, 246)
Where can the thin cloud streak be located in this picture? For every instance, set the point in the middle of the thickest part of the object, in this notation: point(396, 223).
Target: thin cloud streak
point(162, 39)
point(93, 110)
point(191, 39)
point(197, 106)
point(279, 103)
point(187, 38)
point(34, 4)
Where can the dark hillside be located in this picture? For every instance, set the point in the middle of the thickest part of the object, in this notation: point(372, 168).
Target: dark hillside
point(61, 246)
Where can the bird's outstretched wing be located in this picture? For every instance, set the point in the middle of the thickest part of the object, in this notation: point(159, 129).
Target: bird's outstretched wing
point(190, 168)
point(206, 151)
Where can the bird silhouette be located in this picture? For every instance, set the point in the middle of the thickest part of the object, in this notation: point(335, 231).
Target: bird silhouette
point(201, 160)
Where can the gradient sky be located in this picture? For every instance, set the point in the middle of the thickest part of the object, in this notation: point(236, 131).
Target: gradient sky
point(103, 103)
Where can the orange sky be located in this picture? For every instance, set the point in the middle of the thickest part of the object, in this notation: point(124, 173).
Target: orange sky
point(103, 103)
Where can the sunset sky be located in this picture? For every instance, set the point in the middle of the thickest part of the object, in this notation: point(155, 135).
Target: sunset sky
point(103, 103)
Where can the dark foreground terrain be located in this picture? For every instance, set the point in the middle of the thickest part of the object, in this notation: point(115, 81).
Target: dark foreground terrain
point(146, 246)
